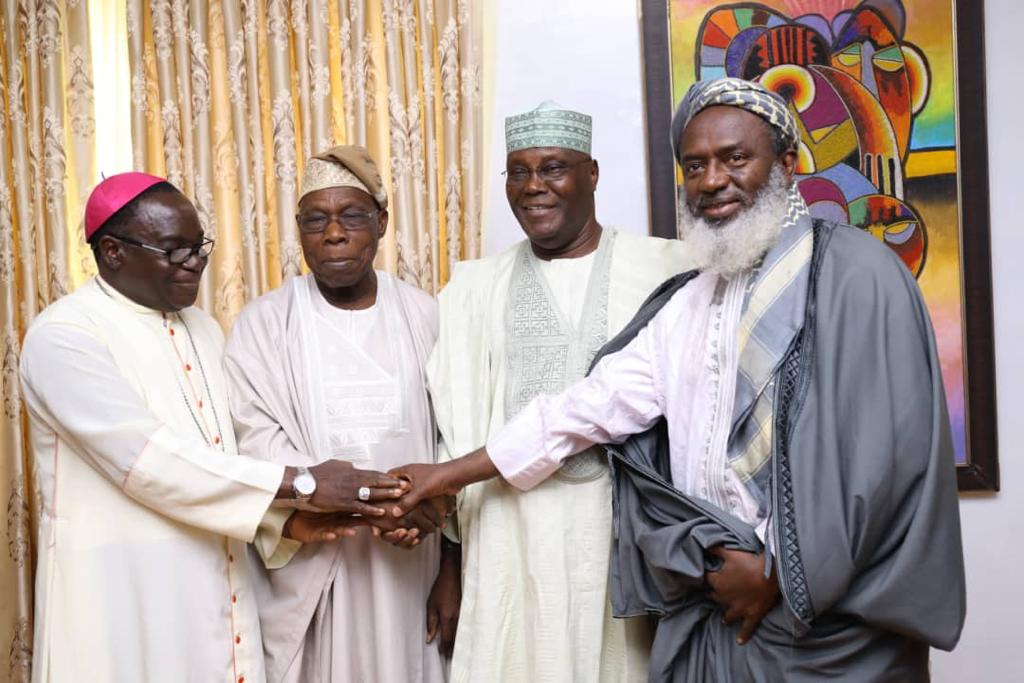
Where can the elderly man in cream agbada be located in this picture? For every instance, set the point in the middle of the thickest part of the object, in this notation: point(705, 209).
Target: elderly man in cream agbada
point(331, 366)
point(534, 603)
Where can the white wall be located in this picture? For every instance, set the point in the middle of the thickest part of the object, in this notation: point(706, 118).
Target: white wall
point(586, 55)
point(991, 648)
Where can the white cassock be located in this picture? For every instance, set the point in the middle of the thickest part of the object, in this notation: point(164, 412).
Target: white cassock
point(309, 382)
point(145, 507)
point(535, 603)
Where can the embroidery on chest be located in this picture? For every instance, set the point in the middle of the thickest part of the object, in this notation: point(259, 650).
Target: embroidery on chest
point(546, 352)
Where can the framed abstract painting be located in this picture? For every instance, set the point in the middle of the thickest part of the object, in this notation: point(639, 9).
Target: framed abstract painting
point(889, 98)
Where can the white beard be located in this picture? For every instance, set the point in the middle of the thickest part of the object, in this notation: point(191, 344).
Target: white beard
point(742, 241)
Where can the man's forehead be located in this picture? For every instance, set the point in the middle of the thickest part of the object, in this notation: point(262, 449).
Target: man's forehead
point(540, 154)
point(723, 125)
point(167, 216)
point(330, 196)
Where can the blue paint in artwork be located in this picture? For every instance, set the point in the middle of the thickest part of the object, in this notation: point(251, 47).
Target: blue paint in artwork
point(708, 73)
point(839, 20)
point(738, 48)
point(926, 134)
point(712, 55)
point(849, 180)
point(818, 23)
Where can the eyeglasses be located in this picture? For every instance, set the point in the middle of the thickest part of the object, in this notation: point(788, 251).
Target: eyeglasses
point(177, 256)
point(351, 221)
point(552, 171)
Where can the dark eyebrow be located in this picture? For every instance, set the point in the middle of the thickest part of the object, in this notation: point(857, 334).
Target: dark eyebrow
point(734, 147)
point(175, 242)
point(724, 149)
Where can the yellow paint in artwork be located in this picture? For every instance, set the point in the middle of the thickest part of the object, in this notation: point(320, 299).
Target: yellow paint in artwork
point(818, 134)
point(931, 162)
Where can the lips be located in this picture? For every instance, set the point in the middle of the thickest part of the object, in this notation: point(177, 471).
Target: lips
point(721, 209)
point(338, 263)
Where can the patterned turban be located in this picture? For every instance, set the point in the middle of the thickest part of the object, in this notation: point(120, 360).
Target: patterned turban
point(344, 166)
point(733, 92)
point(549, 125)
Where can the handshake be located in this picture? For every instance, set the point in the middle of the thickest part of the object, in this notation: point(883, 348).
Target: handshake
point(401, 507)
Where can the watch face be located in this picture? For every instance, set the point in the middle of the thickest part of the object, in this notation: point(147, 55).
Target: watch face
point(304, 484)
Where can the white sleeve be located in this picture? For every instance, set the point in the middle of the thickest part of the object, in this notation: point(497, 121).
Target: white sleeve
point(619, 398)
point(73, 385)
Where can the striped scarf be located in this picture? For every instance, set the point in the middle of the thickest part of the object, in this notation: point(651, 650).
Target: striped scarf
point(773, 314)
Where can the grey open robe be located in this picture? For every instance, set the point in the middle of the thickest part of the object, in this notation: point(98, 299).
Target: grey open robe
point(863, 500)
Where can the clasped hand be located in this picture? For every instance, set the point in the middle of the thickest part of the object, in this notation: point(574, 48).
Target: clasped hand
point(336, 511)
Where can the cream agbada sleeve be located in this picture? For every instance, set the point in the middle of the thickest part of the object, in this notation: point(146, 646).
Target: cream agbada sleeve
point(73, 384)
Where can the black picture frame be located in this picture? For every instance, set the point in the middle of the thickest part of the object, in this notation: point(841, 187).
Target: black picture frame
point(981, 472)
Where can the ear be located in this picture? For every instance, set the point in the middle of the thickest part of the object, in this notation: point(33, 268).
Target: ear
point(109, 253)
point(788, 160)
point(595, 173)
point(382, 221)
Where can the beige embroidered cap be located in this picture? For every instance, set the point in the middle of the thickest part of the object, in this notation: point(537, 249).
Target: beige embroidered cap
point(344, 166)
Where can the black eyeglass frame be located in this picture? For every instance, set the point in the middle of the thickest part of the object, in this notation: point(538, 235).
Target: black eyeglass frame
point(340, 219)
point(194, 250)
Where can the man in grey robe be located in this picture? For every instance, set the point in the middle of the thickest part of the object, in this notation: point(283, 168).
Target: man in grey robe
point(332, 365)
point(783, 478)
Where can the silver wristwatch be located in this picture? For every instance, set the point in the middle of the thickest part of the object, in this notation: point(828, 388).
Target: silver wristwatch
point(304, 484)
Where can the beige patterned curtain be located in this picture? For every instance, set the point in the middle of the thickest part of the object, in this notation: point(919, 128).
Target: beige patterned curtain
point(46, 170)
point(230, 97)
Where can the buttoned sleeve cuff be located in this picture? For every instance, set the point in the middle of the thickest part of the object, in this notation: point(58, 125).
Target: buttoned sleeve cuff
point(275, 550)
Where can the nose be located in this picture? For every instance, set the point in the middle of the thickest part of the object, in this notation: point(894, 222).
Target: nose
point(714, 179)
point(334, 231)
point(195, 262)
point(534, 184)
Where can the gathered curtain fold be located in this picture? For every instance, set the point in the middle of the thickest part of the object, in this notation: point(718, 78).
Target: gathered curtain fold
point(228, 100)
point(47, 168)
point(230, 97)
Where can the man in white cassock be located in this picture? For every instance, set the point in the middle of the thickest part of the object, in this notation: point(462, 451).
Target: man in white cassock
point(145, 506)
point(332, 365)
point(534, 566)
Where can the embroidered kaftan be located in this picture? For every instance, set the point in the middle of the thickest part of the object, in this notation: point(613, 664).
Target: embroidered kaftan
point(535, 601)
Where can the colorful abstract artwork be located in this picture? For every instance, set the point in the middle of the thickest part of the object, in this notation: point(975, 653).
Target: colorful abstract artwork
point(855, 83)
point(873, 87)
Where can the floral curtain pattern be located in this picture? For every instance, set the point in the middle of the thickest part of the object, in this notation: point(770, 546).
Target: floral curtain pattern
point(228, 100)
point(230, 97)
point(46, 169)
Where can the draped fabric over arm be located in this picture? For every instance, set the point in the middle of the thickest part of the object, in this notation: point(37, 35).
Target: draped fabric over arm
point(864, 504)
